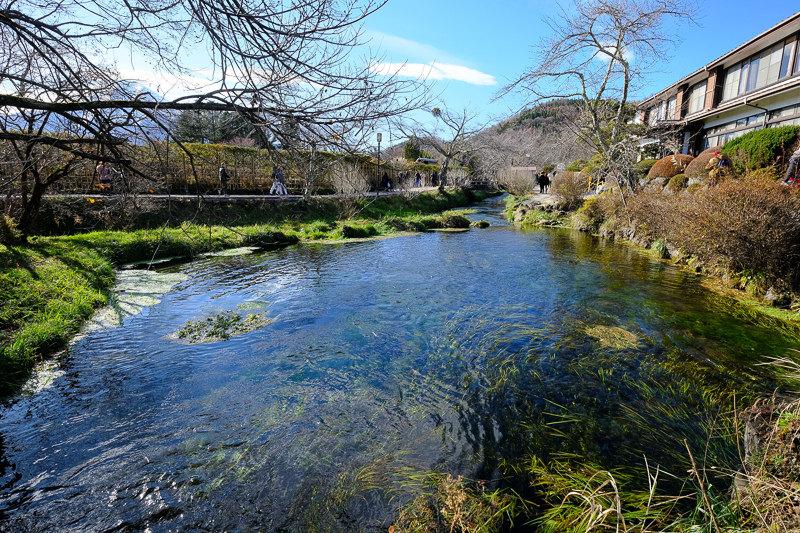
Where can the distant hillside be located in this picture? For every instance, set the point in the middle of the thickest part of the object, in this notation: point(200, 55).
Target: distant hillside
point(545, 116)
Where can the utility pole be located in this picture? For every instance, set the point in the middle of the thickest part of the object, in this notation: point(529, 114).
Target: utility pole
point(378, 177)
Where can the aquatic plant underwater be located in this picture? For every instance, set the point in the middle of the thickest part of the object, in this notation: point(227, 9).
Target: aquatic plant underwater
point(492, 380)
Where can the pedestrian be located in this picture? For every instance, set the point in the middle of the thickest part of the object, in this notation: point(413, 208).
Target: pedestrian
point(278, 182)
point(223, 179)
point(540, 179)
point(790, 171)
point(105, 176)
point(718, 167)
point(417, 177)
point(546, 180)
point(434, 178)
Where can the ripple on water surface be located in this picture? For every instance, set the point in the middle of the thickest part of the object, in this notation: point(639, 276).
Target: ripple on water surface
point(386, 359)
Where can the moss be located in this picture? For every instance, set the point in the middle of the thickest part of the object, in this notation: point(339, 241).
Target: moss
point(589, 217)
point(669, 166)
point(644, 166)
point(677, 182)
point(613, 337)
point(577, 165)
point(221, 327)
point(697, 167)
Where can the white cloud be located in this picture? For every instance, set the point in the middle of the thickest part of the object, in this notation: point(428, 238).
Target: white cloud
point(433, 71)
point(611, 49)
point(169, 85)
point(408, 49)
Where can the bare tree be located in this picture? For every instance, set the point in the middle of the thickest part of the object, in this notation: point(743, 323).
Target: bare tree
point(448, 135)
point(600, 52)
point(498, 150)
point(284, 67)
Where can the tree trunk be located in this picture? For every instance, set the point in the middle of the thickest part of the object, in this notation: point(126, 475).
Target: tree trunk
point(29, 210)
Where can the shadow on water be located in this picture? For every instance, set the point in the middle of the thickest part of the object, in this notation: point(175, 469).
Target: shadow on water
point(464, 353)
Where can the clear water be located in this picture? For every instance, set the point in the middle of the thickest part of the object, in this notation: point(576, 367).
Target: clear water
point(452, 352)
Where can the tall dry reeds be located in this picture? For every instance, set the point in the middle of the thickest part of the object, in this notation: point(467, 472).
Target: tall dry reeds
point(517, 182)
point(569, 188)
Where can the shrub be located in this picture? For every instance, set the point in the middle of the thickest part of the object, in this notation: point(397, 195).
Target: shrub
point(669, 166)
point(769, 174)
point(517, 182)
point(569, 187)
point(452, 219)
point(577, 165)
point(8, 230)
point(644, 166)
point(593, 166)
point(677, 182)
point(589, 217)
point(697, 168)
point(749, 224)
point(357, 232)
point(761, 148)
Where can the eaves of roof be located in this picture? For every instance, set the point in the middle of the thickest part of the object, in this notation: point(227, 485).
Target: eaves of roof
point(721, 60)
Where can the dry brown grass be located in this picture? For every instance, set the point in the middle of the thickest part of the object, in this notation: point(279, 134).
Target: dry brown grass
point(768, 490)
point(751, 225)
point(569, 188)
point(456, 507)
point(517, 182)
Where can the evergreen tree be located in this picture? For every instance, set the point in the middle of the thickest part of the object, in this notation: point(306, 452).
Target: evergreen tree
point(412, 149)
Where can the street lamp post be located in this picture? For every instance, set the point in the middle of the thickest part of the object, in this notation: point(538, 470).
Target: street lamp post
point(378, 177)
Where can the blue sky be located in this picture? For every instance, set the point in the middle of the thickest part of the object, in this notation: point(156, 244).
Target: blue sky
point(471, 49)
point(480, 46)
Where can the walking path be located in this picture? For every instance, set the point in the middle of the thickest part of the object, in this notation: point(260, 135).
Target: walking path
point(214, 197)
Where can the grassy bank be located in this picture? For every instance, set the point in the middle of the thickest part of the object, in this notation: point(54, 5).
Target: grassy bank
point(52, 285)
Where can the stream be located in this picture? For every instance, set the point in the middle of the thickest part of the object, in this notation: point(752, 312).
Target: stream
point(379, 361)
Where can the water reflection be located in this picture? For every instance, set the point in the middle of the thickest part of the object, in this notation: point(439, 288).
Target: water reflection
point(452, 352)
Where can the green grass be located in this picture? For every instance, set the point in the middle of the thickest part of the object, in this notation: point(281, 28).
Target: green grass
point(48, 288)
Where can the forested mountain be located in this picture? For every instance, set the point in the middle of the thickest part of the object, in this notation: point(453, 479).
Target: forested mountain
point(547, 116)
point(545, 135)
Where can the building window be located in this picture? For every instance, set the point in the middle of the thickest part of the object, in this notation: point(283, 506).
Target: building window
point(731, 87)
point(796, 67)
point(671, 103)
point(788, 51)
point(719, 135)
point(786, 116)
point(743, 78)
point(764, 69)
point(752, 74)
point(652, 116)
point(697, 97)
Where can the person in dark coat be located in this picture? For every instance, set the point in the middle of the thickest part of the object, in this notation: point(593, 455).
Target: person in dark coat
point(223, 179)
point(790, 171)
